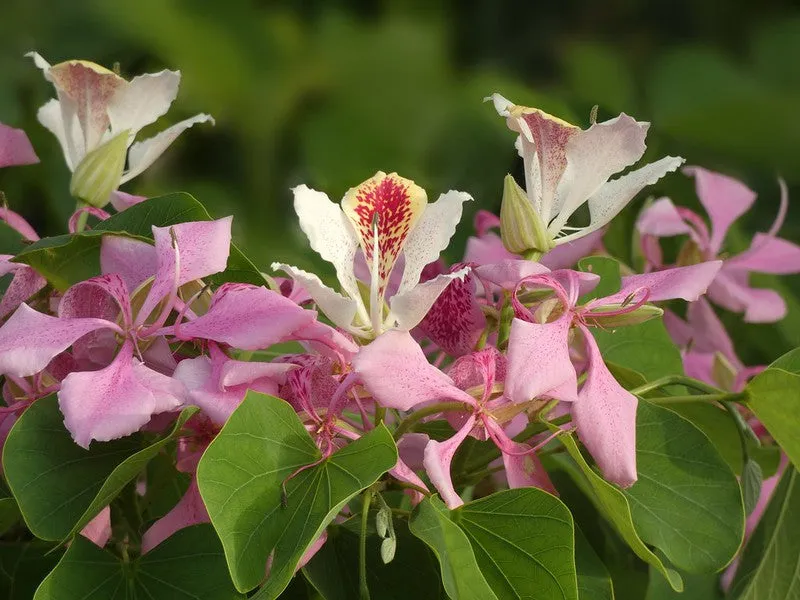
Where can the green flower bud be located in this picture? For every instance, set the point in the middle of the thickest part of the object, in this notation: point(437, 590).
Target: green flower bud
point(634, 317)
point(723, 372)
point(100, 172)
point(521, 227)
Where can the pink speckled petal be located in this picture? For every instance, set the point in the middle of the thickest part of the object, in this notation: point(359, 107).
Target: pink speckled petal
point(189, 511)
point(438, 456)
point(688, 283)
point(15, 148)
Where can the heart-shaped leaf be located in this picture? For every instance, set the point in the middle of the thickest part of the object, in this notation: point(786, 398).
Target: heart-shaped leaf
point(241, 475)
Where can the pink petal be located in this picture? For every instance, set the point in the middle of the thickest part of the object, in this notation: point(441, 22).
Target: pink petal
point(605, 415)
point(539, 361)
point(484, 221)
point(98, 530)
point(116, 401)
point(522, 465)
point(724, 198)
point(455, 322)
point(438, 456)
point(29, 340)
point(133, 260)
point(679, 330)
point(768, 254)
point(486, 250)
point(102, 297)
point(247, 317)
point(189, 511)
point(708, 332)
point(15, 148)
point(121, 200)
point(199, 249)
point(402, 472)
point(508, 273)
point(239, 372)
point(315, 547)
point(688, 283)
point(732, 290)
point(662, 219)
point(18, 224)
point(327, 340)
point(198, 375)
point(72, 225)
point(26, 283)
point(395, 371)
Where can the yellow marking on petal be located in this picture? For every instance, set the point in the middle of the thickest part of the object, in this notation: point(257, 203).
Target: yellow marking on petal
point(386, 207)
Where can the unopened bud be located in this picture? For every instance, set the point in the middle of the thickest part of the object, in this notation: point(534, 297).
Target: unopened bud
point(388, 548)
point(633, 317)
point(521, 227)
point(100, 171)
point(723, 372)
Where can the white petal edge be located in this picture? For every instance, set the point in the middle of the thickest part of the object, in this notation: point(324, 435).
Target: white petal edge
point(142, 101)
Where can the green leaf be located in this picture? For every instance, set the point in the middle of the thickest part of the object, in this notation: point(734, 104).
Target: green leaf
point(59, 485)
point(334, 569)
point(11, 241)
point(524, 543)
point(613, 505)
point(695, 587)
point(240, 478)
point(594, 582)
point(461, 575)
point(686, 501)
point(771, 560)
point(608, 270)
point(751, 485)
point(23, 566)
point(67, 259)
point(189, 564)
point(774, 397)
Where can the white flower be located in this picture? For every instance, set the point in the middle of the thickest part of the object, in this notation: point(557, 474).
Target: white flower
point(99, 113)
point(386, 216)
point(566, 167)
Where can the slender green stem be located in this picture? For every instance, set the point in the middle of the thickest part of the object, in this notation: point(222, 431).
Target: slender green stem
point(362, 545)
point(401, 512)
point(412, 419)
point(82, 218)
point(675, 380)
point(532, 254)
point(380, 414)
point(403, 485)
point(724, 397)
point(506, 317)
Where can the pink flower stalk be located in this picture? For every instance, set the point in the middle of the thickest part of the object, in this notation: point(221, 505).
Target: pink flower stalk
point(396, 373)
point(543, 334)
point(725, 199)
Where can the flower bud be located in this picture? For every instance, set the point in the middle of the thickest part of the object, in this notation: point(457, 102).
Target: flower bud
point(634, 317)
point(521, 227)
point(100, 172)
point(723, 372)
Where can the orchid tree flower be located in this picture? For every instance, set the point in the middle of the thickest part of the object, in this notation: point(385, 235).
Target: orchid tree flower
point(96, 117)
point(725, 200)
point(387, 216)
point(394, 370)
point(707, 349)
point(544, 332)
point(26, 281)
point(15, 148)
point(566, 167)
point(121, 397)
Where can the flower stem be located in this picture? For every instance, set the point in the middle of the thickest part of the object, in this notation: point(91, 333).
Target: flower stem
point(408, 423)
point(83, 218)
point(362, 545)
point(724, 397)
point(532, 254)
point(675, 380)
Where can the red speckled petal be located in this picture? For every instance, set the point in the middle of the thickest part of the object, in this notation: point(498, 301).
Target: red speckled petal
point(393, 205)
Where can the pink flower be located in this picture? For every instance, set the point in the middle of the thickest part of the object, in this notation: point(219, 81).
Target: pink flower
point(725, 200)
point(15, 148)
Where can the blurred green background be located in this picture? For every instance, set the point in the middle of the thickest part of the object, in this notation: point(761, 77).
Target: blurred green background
point(328, 92)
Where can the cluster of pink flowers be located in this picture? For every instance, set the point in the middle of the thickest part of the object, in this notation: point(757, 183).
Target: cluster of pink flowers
point(503, 337)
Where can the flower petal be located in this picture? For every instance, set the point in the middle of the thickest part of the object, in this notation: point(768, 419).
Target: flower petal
point(708, 332)
point(615, 195)
point(768, 254)
point(117, 400)
point(199, 377)
point(143, 154)
point(102, 297)
point(29, 340)
point(131, 259)
point(98, 530)
point(662, 219)
point(455, 321)
point(508, 273)
point(71, 142)
point(395, 371)
point(593, 156)
point(605, 415)
point(732, 290)
point(539, 361)
point(390, 206)
point(688, 283)
point(724, 198)
point(330, 234)
point(189, 511)
point(120, 200)
point(15, 148)
point(142, 101)
point(26, 283)
point(431, 235)
point(410, 307)
point(437, 459)
point(339, 309)
point(18, 224)
point(247, 317)
point(567, 255)
point(522, 466)
point(487, 249)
